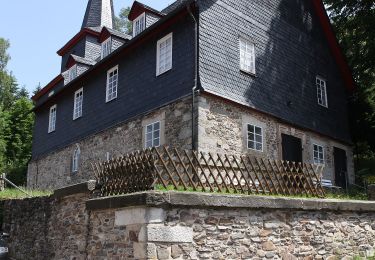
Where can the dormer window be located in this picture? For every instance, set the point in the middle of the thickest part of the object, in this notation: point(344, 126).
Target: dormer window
point(106, 47)
point(139, 24)
point(72, 73)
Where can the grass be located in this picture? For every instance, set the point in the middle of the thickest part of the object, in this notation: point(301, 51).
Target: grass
point(17, 194)
point(365, 258)
point(341, 195)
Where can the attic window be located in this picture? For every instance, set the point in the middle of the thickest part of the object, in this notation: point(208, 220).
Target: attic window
point(106, 47)
point(247, 56)
point(72, 73)
point(321, 88)
point(139, 24)
point(164, 54)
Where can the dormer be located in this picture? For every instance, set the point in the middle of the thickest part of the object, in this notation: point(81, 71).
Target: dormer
point(142, 17)
point(85, 44)
point(110, 40)
point(75, 67)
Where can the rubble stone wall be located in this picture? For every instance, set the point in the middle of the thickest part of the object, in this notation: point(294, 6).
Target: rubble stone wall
point(177, 225)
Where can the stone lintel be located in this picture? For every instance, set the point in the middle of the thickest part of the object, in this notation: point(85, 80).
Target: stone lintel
point(139, 215)
point(165, 234)
point(197, 200)
point(71, 190)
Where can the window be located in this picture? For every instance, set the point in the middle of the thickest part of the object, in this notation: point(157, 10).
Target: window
point(318, 154)
point(72, 73)
point(321, 91)
point(152, 138)
point(139, 24)
point(254, 138)
point(164, 54)
point(247, 56)
point(75, 160)
point(52, 119)
point(106, 47)
point(78, 104)
point(112, 82)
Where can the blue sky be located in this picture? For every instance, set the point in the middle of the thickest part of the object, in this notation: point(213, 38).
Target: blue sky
point(36, 29)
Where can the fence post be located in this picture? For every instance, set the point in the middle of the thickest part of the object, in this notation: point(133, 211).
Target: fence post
point(2, 182)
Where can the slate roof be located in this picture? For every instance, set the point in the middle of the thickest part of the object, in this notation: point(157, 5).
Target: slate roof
point(96, 14)
point(137, 7)
point(173, 6)
point(119, 34)
point(82, 60)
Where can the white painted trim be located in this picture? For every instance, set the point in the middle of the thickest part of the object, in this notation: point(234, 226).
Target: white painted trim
point(247, 137)
point(75, 104)
point(247, 41)
point(74, 67)
point(107, 84)
point(325, 90)
point(324, 154)
point(153, 137)
point(109, 40)
point(142, 16)
point(159, 42)
point(52, 128)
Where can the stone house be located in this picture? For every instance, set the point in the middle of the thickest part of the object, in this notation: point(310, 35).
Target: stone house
point(261, 77)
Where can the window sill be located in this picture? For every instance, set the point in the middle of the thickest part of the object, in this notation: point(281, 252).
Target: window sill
point(75, 119)
point(109, 101)
point(160, 74)
point(248, 73)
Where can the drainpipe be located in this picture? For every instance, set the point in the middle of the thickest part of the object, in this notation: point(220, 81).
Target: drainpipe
point(195, 88)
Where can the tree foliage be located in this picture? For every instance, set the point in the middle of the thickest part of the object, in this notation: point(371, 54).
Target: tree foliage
point(16, 122)
point(122, 23)
point(354, 24)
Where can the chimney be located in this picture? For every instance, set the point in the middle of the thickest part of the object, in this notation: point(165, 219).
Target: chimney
point(99, 13)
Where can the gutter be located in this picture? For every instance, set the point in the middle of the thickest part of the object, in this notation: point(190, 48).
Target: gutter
point(195, 87)
point(117, 54)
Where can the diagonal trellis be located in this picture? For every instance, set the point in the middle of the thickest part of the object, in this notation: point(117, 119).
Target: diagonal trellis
point(173, 169)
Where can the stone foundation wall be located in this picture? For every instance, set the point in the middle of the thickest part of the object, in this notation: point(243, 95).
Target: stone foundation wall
point(54, 170)
point(222, 129)
point(174, 225)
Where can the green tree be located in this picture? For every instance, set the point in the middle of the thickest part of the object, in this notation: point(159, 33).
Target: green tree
point(16, 122)
point(354, 24)
point(18, 139)
point(122, 23)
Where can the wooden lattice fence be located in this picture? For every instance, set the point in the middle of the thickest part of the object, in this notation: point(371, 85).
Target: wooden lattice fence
point(173, 169)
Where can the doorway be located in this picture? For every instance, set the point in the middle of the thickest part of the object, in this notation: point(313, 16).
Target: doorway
point(341, 169)
point(292, 148)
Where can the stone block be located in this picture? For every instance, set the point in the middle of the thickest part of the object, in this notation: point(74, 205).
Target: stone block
point(132, 216)
point(167, 234)
point(371, 192)
point(144, 251)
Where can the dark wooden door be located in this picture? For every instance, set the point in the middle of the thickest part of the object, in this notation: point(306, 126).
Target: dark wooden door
point(340, 167)
point(292, 148)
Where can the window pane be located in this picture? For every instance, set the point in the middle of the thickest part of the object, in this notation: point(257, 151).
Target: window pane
point(259, 147)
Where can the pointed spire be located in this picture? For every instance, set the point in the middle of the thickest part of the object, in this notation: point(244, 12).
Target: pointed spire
point(99, 13)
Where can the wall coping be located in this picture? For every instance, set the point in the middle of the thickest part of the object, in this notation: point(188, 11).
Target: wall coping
point(199, 200)
point(71, 190)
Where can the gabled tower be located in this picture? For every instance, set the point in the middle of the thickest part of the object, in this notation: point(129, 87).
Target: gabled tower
point(99, 13)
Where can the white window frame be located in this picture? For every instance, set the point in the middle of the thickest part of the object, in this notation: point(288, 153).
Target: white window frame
point(72, 73)
point(75, 160)
point(245, 55)
point(159, 71)
point(321, 91)
point(106, 48)
point(318, 160)
point(52, 119)
point(142, 22)
point(78, 104)
point(152, 132)
point(109, 96)
point(254, 140)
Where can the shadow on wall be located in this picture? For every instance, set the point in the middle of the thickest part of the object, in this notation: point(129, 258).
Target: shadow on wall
point(291, 50)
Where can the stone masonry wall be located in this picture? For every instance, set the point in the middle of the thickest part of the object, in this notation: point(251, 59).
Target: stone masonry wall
point(46, 227)
point(54, 170)
point(175, 225)
point(222, 128)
